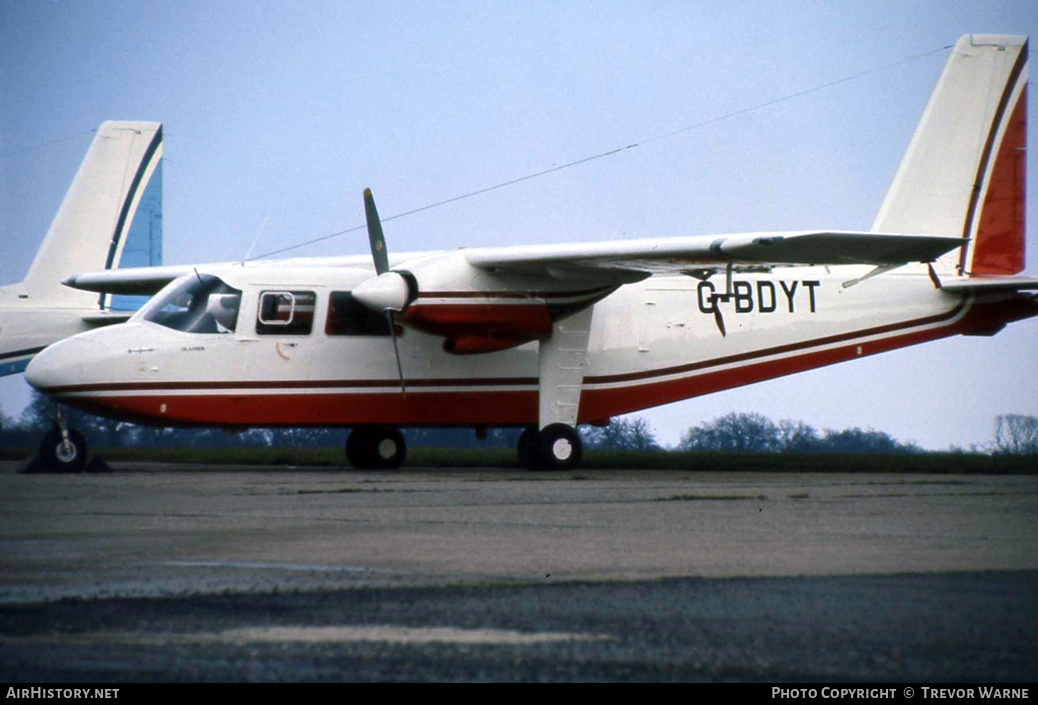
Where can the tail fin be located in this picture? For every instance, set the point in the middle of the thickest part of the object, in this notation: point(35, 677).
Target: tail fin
point(964, 174)
point(111, 215)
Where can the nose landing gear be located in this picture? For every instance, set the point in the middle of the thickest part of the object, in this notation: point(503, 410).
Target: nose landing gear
point(63, 450)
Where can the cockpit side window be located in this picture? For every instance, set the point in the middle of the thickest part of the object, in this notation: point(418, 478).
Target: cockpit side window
point(285, 312)
point(200, 304)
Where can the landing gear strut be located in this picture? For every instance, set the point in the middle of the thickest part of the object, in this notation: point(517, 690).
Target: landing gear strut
point(376, 448)
point(555, 447)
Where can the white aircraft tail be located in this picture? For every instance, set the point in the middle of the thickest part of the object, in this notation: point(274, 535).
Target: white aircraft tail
point(111, 216)
point(964, 174)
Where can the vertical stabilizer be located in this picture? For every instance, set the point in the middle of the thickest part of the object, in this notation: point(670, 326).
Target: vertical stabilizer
point(111, 215)
point(964, 172)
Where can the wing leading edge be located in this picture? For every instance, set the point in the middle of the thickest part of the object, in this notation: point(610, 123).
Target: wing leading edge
point(632, 260)
point(749, 251)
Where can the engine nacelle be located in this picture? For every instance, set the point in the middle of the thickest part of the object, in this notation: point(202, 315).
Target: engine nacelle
point(476, 311)
point(477, 344)
point(471, 328)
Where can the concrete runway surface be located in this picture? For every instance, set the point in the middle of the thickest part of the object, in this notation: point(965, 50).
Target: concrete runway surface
point(163, 572)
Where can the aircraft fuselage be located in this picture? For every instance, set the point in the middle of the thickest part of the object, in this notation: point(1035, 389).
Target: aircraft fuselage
point(660, 340)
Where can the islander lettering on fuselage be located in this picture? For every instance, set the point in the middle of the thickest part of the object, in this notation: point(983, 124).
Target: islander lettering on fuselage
point(765, 297)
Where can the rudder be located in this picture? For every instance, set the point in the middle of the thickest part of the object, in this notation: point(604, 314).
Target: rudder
point(964, 174)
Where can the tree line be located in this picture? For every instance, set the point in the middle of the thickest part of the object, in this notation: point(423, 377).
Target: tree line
point(1015, 434)
point(755, 433)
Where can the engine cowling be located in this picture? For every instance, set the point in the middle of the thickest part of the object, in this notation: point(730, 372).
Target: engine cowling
point(472, 328)
point(473, 310)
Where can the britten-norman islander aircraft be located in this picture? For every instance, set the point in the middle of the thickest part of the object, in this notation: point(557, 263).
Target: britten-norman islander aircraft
point(551, 336)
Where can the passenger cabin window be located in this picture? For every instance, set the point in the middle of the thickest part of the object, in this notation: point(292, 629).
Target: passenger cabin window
point(348, 317)
point(201, 303)
point(286, 313)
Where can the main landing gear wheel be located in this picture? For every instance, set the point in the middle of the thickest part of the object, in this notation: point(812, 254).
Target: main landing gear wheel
point(376, 448)
point(61, 455)
point(555, 447)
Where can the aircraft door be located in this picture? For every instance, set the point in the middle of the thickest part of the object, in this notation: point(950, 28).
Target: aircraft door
point(284, 329)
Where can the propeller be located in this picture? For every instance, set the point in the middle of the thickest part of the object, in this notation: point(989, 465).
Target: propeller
point(396, 351)
point(375, 236)
point(387, 292)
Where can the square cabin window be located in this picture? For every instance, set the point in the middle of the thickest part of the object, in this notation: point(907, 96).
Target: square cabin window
point(286, 313)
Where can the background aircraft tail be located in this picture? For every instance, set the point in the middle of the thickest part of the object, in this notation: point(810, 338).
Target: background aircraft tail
point(111, 216)
point(964, 174)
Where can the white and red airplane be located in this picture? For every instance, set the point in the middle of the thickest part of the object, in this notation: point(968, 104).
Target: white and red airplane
point(549, 337)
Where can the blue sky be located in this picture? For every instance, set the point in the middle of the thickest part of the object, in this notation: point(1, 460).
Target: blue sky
point(284, 112)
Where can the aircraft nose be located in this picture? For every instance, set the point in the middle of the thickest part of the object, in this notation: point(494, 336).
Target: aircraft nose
point(59, 365)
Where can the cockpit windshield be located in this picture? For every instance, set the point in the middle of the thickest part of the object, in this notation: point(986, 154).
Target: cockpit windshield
point(200, 304)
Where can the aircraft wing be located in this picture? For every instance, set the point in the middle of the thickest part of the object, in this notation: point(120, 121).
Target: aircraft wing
point(749, 251)
point(131, 281)
point(629, 260)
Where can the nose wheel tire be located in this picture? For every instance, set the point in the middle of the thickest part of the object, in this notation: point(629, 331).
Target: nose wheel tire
point(376, 448)
point(555, 447)
point(63, 455)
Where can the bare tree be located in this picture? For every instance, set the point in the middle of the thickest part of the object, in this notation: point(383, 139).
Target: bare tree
point(1016, 434)
point(734, 432)
point(641, 437)
point(797, 436)
point(620, 434)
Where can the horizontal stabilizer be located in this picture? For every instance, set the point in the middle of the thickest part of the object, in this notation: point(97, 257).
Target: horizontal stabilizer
point(105, 318)
point(133, 281)
point(988, 284)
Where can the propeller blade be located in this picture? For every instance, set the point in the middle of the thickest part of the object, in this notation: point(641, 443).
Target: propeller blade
point(385, 293)
point(719, 320)
point(715, 301)
point(375, 236)
point(396, 351)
